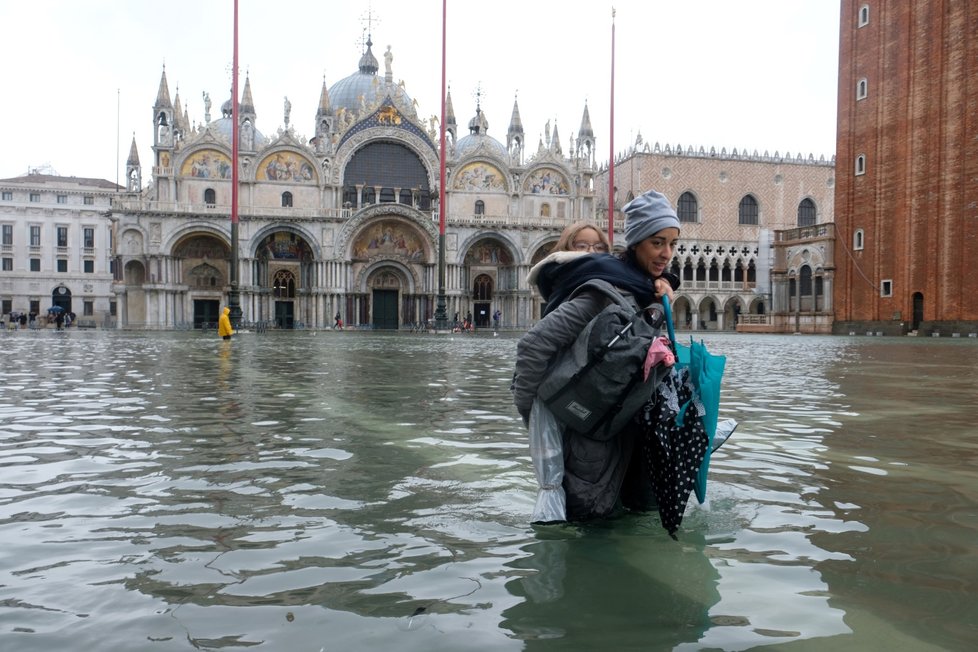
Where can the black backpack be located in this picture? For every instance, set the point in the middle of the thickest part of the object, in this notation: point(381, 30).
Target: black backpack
point(596, 385)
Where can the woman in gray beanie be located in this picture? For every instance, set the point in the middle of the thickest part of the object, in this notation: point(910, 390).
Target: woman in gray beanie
point(651, 233)
point(599, 477)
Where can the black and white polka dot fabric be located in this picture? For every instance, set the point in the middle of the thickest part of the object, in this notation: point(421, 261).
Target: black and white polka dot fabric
point(675, 442)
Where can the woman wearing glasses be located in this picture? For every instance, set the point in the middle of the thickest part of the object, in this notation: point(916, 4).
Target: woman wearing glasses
point(599, 477)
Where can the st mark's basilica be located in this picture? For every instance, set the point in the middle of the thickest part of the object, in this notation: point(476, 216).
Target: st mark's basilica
point(345, 222)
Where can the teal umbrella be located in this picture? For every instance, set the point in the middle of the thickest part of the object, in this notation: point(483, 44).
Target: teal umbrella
point(706, 372)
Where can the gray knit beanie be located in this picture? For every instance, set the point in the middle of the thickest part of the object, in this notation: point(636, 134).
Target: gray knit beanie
point(646, 215)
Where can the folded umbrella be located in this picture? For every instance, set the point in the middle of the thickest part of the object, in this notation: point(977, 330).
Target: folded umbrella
point(706, 374)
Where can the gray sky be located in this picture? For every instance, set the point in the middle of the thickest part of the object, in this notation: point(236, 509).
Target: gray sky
point(746, 74)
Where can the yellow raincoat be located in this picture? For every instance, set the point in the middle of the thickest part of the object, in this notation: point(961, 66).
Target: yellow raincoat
point(224, 324)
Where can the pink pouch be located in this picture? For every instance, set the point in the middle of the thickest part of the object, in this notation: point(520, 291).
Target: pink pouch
point(659, 351)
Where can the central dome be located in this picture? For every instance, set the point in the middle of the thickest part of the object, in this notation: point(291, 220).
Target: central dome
point(367, 84)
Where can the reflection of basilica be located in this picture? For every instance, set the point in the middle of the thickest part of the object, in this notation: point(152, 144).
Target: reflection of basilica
point(347, 221)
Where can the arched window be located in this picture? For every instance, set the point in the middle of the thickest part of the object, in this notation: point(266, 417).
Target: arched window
point(862, 89)
point(805, 280)
point(858, 240)
point(863, 16)
point(861, 164)
point(480, 207)
point(283, 285)
point(482, 288)
point(210, 197)
point(368, 196)
point(688, 271)
point(748, 211)
point(286, 200)
point(714, 270)
point(687, 210)
point(545, 210)
point(806, 213)
point(701, 271)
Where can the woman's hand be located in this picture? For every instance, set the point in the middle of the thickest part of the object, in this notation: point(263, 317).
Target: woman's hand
point(662, 287)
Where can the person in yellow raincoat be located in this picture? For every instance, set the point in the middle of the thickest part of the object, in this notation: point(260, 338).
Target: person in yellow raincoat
point(224, 325)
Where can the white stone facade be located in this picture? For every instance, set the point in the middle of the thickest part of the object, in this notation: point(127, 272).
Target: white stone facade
point(55, 247)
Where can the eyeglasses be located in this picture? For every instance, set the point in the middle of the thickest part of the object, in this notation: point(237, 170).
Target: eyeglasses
point(597, 247)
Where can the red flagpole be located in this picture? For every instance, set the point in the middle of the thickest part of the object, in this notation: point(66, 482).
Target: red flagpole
point(234, 302)
point(611, 140)
point(441, 301)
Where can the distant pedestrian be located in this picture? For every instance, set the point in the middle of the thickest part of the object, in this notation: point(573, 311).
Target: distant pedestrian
point(496, 316)
point(337, 322)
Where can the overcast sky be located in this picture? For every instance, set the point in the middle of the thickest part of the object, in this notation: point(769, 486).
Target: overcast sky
point(81, 76)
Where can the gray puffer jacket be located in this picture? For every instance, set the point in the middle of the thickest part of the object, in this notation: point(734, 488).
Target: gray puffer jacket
point(598, 475)
point(538, 348)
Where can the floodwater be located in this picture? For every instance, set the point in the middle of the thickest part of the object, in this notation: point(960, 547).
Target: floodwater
point(359, 491)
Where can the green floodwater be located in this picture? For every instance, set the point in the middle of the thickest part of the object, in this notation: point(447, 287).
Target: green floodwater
point(365, 491)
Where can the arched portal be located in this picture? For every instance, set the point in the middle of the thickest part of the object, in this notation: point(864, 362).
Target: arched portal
point(490, 267)
point(204, 263)
point(385, 286)
point(284, 270)
point(61, 298)
point(482, 289)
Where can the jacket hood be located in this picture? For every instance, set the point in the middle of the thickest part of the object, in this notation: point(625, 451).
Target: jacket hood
point(227, 311)
point(557, 258)
point(558, 278)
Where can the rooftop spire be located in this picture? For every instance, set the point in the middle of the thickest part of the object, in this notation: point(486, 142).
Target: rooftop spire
point(163, 95)
point(586, 131)
point(247, 102)
point(368, 62)
point(324, 108)
point(133, 152)
point(515, 123)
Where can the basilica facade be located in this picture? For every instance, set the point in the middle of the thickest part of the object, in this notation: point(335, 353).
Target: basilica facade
point(345, 222)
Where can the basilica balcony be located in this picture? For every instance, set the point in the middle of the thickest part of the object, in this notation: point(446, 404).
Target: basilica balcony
point(284, 213)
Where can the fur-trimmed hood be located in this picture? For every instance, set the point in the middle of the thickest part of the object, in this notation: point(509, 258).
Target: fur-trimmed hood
point(557, 275)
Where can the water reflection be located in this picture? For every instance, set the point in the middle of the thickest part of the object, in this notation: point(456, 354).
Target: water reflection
point(365, 491)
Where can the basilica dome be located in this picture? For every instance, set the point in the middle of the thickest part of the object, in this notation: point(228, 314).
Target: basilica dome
point(478, 138)
point(366, 83)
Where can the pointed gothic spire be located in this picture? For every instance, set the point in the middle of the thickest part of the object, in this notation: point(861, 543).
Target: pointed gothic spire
point(515, 122)
point(247, 105)
point(324, 108)
point(585, 131)
point(449, 110)
point(555, 141)
point(133, 153)
point(163, 95)
point(179, 125)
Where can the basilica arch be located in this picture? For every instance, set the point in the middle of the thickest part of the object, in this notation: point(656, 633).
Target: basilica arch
point(283, 277)
point(392, 275)
point(490, 271)
point(202, 263)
